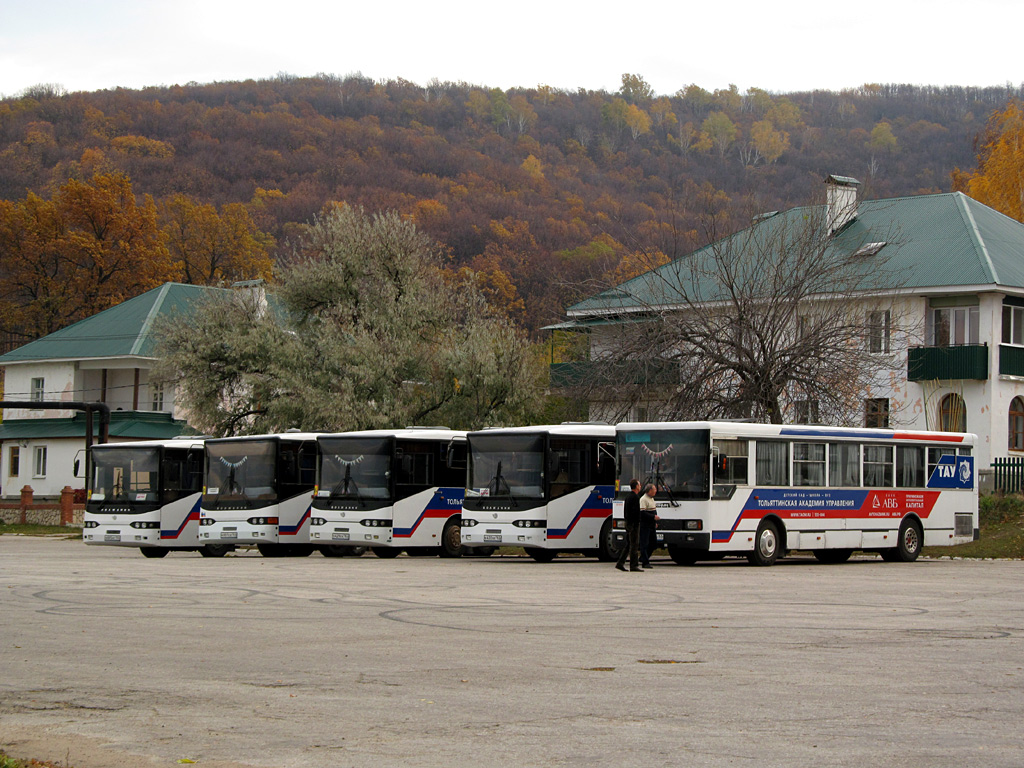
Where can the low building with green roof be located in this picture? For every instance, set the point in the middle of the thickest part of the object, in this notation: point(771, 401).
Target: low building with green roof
point(105, 358)
point(960, 286)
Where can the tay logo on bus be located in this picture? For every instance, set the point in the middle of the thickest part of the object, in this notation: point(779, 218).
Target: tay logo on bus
point(953, 472)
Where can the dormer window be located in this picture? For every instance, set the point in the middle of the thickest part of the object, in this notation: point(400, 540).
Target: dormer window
point(869, 249)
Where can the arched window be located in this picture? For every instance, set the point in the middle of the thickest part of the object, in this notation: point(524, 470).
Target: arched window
point(952, 414)
point(1017, 424)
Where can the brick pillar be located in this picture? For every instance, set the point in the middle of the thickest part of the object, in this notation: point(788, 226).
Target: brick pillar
point(26, 502)
point(67, 501)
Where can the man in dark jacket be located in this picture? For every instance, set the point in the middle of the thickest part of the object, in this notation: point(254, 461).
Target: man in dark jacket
point(631, 513)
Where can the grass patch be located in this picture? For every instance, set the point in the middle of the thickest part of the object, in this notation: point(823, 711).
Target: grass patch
point(1001, 519)
point(7, 761)
point(67, 531)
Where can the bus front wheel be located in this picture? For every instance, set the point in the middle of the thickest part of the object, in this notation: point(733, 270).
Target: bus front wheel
point(682, 555)
point(451, 539)
point(216, 550)
point(386, 553)
point(608, 549)
point(541, 555)
point(154, 551)
point(766, 544)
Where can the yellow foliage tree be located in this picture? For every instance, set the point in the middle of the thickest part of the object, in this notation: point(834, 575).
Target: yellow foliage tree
point(210, 247)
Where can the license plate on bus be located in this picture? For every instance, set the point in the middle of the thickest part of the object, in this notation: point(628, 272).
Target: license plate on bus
point(112, 537)
point(339, 536)
point(661, 537)
point(229, 535)
point(492, 538)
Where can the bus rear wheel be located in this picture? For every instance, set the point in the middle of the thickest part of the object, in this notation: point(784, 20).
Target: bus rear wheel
point(910, 541)
point(832, 556)
point(271, 550)
point(154, 551)
point(766, 544)
point(451, 539)
point(541, 555)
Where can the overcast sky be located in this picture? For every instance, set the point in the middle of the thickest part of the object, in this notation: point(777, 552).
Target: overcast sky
point(780, 46)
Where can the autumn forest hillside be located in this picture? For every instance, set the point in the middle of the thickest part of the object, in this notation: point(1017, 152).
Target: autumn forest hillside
point(544, 192)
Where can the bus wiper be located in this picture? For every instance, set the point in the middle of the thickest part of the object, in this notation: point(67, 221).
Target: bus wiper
point(342, 486)
point(497, 482)
point(659, 482)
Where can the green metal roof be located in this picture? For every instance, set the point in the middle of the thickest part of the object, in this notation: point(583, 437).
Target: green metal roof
point(934, 242)
point(121, 331)
point(148, 425)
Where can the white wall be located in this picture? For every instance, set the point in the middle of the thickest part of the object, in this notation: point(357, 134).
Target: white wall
point(60, 457)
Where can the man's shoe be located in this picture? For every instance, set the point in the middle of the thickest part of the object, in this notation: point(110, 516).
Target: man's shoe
point(646, 565)
point(620, 566)
point(636, 570)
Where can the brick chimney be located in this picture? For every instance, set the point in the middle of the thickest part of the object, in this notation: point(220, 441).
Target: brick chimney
point(841, 201)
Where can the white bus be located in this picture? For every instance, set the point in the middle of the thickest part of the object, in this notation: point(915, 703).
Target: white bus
point(760, 490)
point(544, 488)
point(257, 490)
point(390, 490)
point(145, 494)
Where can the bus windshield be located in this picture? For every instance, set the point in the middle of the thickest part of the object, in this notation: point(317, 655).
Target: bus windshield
point(355, 467)
point(506, 465)
point(126, 475)
point(242, 470)
point(676, 461)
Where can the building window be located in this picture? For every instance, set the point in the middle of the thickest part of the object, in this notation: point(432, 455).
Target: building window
point(806, 412)
point(156, 390)
point(39, 462)
point(37, 390)
point(952, 414)
point(1017, 424)
point(14, 462)
point(953, 325)
point(1013, 324)
point(878, 331)
point(876, 412)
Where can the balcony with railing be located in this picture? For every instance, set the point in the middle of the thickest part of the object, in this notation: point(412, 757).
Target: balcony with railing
point(1011, 360)
point(962, 361)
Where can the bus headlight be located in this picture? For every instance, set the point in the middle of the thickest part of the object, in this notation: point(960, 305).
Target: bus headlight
point(530, 523)
point(467, 523)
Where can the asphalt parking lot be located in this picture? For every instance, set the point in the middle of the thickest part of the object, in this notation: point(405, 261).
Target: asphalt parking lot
point(110, 659)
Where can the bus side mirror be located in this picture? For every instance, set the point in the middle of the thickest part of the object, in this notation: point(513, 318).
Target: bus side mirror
point(77, 467)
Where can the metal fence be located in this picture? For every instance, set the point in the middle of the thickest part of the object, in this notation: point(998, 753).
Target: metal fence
point(1008, 474)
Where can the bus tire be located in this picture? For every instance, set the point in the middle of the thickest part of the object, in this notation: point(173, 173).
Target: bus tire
point(832, 556)
point(480, 551)
point(154, 551)
point(682, 555)
point(386, 553)
point(608, 550)
point(541, 555)
point(767, 545)
point(298, 550)
point(890, 555)
point(910, 540)
point(216, 550)
point(271, 550)
point(451, 539)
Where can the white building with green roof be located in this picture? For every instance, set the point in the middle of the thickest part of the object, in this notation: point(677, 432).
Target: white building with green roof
point(961, 286)
point(106, 359)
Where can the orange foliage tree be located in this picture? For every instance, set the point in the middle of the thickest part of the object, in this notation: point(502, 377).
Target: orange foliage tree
point(999, 179)
point(92, 246)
